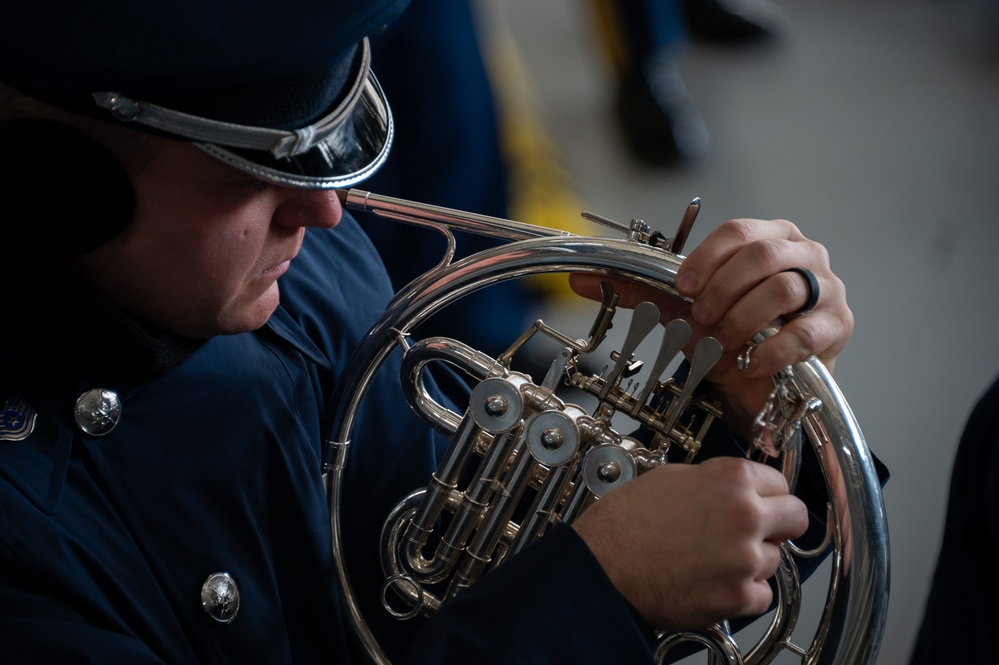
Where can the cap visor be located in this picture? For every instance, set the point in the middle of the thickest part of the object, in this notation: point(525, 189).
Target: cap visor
point(350, 153)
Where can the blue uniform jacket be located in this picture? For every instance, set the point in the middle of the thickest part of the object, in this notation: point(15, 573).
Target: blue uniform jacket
point(105, 542)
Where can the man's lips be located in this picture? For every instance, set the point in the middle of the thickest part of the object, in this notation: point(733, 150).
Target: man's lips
point(281, 268)
point(277, 270)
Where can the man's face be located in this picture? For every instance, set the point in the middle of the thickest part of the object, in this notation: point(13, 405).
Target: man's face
point(208, 242)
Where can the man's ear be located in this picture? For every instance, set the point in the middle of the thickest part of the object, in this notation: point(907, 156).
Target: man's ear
point(61, 192)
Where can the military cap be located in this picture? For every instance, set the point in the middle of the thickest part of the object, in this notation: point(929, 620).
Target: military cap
point(282, 89)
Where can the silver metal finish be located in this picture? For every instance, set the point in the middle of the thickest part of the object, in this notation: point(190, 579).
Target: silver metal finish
point(220, 597)
point(680, 239)
point(515, 432)
point(97, 411)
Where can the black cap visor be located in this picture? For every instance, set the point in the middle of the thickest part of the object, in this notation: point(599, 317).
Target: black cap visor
point(350, 153)
point(340, 149)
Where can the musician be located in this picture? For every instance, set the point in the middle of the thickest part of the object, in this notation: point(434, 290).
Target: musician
point(180, 301)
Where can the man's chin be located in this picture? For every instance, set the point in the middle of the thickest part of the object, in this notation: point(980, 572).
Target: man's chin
point(258, 320)
point(250, 318)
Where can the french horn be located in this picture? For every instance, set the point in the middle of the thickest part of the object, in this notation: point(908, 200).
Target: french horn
point(539, 458)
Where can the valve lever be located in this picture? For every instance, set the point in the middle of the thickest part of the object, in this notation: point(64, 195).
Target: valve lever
point(677, 334)
point(706, 354)
point(644, 318)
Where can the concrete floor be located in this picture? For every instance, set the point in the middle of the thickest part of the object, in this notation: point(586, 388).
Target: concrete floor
point(876, 129)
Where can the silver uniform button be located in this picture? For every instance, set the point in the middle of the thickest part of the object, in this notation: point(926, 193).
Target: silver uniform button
point(220, 597)
point(97, 411)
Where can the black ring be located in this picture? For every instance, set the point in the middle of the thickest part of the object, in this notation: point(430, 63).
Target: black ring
point(813, 288)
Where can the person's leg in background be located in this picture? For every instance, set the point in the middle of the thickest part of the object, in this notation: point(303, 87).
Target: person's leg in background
point(644, 42)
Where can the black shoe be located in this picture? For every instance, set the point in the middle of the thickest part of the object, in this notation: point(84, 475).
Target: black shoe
point(735, 21)
point(658, 118)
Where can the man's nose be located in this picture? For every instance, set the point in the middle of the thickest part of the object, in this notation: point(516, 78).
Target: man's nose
point(303, 207)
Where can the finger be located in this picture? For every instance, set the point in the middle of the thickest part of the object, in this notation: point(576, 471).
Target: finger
point(782, 296)
point(762, 264)
point(776, 296)
point(823, 336)
point(738, 474)
point(788, 518)
point(821, 332)
point(751, 596)
point(723, 243)
point(586, 285)
point(761, 599)
point(630, 293)
point(780, 515)
point(766, 480)
point(748, 598)
point(769, 561)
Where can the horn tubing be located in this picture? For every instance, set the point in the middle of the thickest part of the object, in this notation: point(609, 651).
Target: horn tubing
point(853, 620)
point(421, 213)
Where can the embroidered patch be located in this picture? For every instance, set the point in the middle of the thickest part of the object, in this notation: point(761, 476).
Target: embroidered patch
point(17, 420)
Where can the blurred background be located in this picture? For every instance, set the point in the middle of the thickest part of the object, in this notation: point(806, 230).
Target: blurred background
point(874, 126)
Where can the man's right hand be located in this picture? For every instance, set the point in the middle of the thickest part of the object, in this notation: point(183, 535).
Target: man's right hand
point(690, 545)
